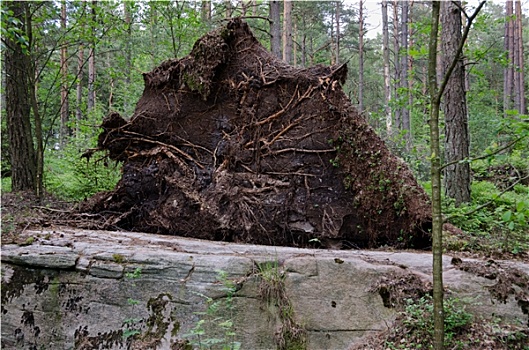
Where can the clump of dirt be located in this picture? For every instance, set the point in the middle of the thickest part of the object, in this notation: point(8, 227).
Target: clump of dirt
point(231, 143)
point(509, 281)
point(396, 289)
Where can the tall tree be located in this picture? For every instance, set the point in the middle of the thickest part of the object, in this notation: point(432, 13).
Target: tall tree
point(205, 11)
point(457, 139)
point(127, 9)
point(287, 31)
point(508, 82)
point(436, 93)
point(275, 28)
point(17, 66)
point(64, 129)
point(404, 82)
point(361, 56)
point(387, 78)
point(396, 61)
point(79, 89)
point(337, 18)
point(519, 83)
point(91, 60)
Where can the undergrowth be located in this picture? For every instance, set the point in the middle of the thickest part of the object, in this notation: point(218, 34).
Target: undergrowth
point(500, 227)
point(413, 329)
point(68, 176)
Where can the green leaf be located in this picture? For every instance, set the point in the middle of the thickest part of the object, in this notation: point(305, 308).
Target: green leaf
point(521, 219)
point(507, 216)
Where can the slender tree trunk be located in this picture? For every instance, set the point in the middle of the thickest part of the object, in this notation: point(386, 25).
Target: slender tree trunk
point(457, 139)
point(17, 66)
point(404, 83)
point(396, 61)
point(64, 129)
point(153, 30)
point(337, 14)
point(37, 121)
point(437, 249)
point(361, 57)
point(128, 50)
point(519, 82)
point(91, 63)
point(410, 80)
point(295, 46)
point(229, 9)
point(387, 78)
point(287, 31)
point(435, 102)
point(205, 11)
point(275, 28)
point(79, 97)
point(508, 82)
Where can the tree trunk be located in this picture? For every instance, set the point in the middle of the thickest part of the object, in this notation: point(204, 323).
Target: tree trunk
point(435, 103)
point(404, 83)
point(519, 82)
point(437, 248)
point(337, 14)
point(387, 79)
point(79, 97)
point(275, 28)
point(205, 11)
point(508, 76)
point(91, 63)
point(64, 129)
point(361, 57)
point(396, 60)
point(229, 9)
point(457, 139)
point(287, 31)
point(37, 121)
point(128, 50)
point(17, 66)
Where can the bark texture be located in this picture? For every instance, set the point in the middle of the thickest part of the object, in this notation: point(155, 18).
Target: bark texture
point(21, 148)
point(457, 139)
point(275, 28)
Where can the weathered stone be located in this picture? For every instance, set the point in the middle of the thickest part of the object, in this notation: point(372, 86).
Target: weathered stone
point(97, 288)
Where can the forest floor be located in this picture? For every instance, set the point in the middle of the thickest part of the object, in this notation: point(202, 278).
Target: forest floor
point(23, 211)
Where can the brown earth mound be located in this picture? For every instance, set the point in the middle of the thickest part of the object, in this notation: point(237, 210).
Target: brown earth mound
point(231, 143)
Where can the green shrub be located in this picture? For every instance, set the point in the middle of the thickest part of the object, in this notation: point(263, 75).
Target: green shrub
point(417, 320)
point(68, 176)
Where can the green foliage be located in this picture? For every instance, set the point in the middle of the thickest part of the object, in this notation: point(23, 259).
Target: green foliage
point(69, 176)
point(12, 28)
point(129, 325)
point(417, 321)
point(290, 335)
point(502, 225)
point(135, 274)
point(215, 329)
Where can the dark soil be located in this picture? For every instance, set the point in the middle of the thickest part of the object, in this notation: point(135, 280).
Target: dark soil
point(509, 281)
point(230, 143)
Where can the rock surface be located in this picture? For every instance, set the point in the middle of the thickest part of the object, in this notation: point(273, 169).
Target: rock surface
point(83, 289)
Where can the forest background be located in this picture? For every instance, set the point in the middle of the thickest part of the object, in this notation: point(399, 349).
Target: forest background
point(84, 59)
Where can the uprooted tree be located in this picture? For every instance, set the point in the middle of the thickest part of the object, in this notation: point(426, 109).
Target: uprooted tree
point(231, 143)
